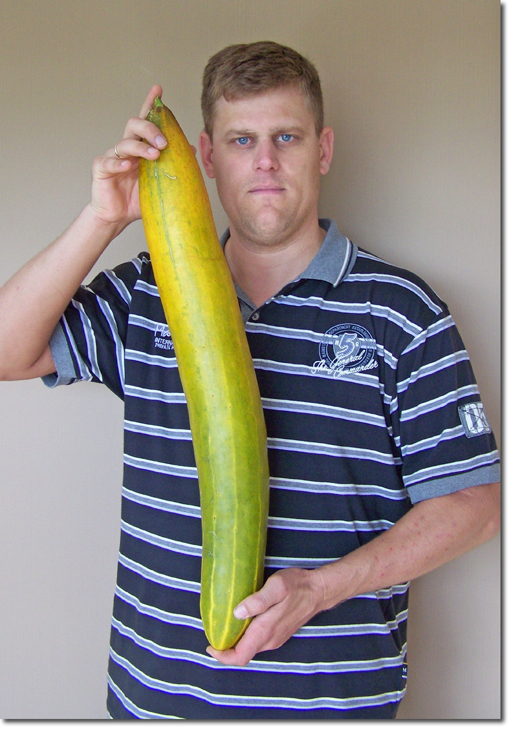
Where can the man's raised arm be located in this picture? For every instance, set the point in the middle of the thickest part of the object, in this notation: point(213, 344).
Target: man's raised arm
point(33, 300)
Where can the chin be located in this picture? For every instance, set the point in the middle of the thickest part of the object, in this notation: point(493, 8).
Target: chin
point(269, 230)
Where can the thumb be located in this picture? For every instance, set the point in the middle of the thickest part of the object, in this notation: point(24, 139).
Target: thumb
point(271, 593)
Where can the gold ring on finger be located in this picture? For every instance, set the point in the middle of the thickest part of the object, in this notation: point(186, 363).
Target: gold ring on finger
point(120, 157)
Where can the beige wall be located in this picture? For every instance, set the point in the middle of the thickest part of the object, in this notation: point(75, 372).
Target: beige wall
point(412, 90)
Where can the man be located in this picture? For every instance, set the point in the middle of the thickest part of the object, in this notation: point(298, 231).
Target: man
point(383, 465)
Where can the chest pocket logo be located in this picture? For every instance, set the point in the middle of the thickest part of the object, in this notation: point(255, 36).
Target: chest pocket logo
point(162, 338)
point(346, 348)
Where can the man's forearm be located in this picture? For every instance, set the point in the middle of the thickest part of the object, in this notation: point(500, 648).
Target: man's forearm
point(33, 300)
point(434, 532)
point(431, 534)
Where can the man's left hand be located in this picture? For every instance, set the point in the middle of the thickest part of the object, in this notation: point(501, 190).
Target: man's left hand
point(287, 600)
point(433, 532)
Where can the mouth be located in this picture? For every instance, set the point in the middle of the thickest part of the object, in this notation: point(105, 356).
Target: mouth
point(266, 190)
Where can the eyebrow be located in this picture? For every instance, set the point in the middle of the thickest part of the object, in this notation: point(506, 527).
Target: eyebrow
point(282, 129)
point(238, 133)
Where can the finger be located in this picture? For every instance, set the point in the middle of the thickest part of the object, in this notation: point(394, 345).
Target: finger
point(224, 657)
point(236, 657)
point(228, 657)
point(137, 128)
point(272, 592)
point(155, 91)
point(134, 148)
point(258, 637)
point(107, 165)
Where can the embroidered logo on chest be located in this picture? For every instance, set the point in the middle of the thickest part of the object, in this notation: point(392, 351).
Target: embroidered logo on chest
point(346, 348)
point(162, 338)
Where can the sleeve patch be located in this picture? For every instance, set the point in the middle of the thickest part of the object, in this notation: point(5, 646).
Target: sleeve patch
point(473, 419)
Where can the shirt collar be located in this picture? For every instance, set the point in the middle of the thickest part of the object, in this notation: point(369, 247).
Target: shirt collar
point(334, 260)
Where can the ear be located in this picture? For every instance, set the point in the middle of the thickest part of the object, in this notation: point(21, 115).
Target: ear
point(206, 149)
point(326, 145)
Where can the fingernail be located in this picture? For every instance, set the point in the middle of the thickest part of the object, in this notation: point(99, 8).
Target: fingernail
point(240, 612)
point(160, 141)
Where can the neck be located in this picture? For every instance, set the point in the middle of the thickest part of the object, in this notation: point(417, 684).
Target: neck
point(262, 271)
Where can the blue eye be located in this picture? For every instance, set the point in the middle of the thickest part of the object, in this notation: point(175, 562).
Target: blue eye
point(286, 137)
point(243, 140)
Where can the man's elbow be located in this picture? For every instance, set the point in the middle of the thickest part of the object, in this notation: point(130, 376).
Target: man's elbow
point(488, 508)
point(494, 522)
point(6, 370)
point(11, 369)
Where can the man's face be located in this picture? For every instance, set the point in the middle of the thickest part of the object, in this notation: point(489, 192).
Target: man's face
point(267, 159)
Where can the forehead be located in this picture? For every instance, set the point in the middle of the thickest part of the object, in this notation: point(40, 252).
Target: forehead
point(275, 109)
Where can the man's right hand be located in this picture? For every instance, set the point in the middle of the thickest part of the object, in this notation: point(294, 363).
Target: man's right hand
point(33, 300)
point(115, 190)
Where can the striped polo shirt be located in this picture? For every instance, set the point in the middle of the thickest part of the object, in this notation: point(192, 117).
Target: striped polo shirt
point(371, 406)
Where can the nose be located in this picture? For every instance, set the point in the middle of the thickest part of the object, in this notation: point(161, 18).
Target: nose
point(266, 156)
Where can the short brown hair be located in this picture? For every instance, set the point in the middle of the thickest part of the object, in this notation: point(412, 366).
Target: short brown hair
point(247, 69)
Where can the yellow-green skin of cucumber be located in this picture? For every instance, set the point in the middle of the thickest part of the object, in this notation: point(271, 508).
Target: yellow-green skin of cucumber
point(217, 374)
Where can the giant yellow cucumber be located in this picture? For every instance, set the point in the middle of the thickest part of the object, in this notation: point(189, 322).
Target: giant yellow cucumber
point(217, 374)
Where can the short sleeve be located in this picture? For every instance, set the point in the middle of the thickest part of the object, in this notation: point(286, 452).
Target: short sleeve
point(445, 439)
point(89, 340)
